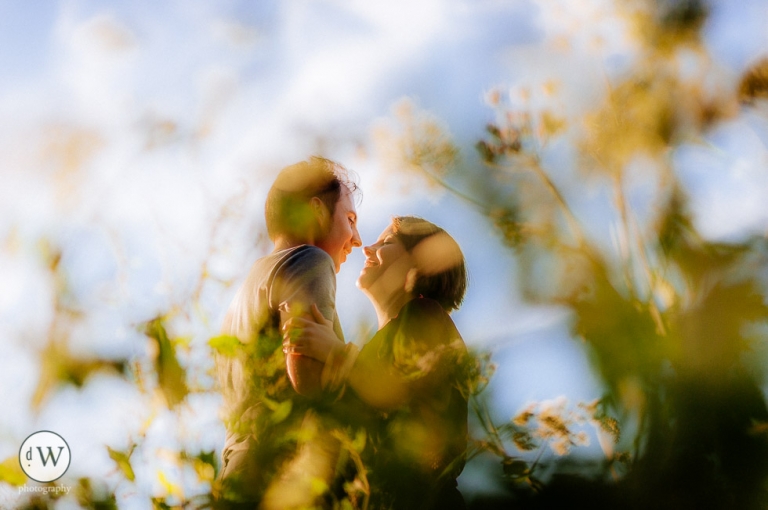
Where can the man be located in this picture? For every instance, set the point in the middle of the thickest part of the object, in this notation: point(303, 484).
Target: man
point(276, 453)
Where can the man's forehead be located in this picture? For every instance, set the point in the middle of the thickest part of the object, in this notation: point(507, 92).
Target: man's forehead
point(354, 193)
point(346, 201)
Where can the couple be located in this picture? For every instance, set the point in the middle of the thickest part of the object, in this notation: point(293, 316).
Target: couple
point(293, 390)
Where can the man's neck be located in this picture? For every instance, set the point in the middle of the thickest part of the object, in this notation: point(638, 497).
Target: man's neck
point(283, 243)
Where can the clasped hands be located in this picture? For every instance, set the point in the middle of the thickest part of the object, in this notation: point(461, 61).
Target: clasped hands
point(310, 335)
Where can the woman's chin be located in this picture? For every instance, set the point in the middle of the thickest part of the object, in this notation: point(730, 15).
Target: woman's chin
point(365, 280)
point(362, 282)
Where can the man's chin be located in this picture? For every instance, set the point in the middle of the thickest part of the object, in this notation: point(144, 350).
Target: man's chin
point(339, 262)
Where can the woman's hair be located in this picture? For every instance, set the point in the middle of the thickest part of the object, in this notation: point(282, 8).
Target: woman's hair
point(442, 272)
point(287, 210)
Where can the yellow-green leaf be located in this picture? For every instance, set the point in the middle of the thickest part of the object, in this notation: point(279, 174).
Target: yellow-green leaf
point(11, 473)
point(170, 374)
point(225, 345)
point(171, 488)
point(123, 461)
point(359, 442)
point(282, 411)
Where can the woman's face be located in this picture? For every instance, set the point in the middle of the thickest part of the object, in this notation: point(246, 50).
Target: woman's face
point(387, 256)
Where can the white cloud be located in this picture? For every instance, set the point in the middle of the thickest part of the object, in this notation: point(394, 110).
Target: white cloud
point(728, 182)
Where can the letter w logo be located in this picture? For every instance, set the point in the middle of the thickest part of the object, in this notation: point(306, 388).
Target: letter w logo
point(50, 456)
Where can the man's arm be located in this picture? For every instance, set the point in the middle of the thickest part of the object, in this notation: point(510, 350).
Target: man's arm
point(308, 277)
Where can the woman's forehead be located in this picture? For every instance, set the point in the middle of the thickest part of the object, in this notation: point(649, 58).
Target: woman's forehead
point(387, 232)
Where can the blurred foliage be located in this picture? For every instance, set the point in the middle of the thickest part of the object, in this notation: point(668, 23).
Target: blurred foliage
point(416, 143)
point(171, 377)
point(123, 461)
point(11, 473)
point(754, 83)
point(669, 319)
point(59, 366)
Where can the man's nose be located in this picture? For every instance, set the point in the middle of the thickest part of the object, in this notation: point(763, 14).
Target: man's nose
point(356, 241)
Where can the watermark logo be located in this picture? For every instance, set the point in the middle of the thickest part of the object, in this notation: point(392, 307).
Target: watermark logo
point(44, 456)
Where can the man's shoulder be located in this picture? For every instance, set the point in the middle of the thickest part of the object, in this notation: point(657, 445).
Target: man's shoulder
point(304, 256)
point(303, 263)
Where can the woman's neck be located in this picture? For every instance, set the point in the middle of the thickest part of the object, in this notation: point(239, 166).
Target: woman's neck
point(387, 309)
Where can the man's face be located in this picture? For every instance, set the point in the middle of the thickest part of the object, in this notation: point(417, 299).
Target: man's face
point(342, 235)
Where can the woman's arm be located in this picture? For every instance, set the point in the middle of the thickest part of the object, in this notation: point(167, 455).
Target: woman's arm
point(311, 336)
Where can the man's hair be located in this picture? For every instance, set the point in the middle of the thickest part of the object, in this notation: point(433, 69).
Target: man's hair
point(287, 209)
point(442, 271)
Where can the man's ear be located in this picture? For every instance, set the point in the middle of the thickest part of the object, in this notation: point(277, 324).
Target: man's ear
point(320, 211)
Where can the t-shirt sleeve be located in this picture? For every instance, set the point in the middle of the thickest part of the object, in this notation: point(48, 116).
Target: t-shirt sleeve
point(305, 278)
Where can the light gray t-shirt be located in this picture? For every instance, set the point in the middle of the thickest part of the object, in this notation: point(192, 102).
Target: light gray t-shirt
point(254, 381)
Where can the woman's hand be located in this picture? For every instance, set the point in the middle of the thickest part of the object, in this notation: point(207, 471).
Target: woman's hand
point(313, 336)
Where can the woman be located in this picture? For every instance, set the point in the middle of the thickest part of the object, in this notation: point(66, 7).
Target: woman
point(410, 372)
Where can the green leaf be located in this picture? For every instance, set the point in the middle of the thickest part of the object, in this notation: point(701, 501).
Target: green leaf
point(318, 486)
point(282, 410)
point(226, 345)
point(171, 376)
point(11, 473)
point(204, 464)
point(160, 504)
point(123, 461)
point(359, 442)
point(59, 367)
point(514, 468)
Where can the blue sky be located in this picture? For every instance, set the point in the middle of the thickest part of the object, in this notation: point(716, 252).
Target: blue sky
point(129, 127)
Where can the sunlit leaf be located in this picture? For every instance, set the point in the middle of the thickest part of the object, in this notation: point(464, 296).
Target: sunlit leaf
point(621, 332)
point(514, 468)
point(160, 504)
point(11, 472)
point(551, 124)
point(123, 461)
point(523, 441)
point(754, 83)
point(358, 444)
point(60, 367)
point(638, 117)
point(509, 224)
point(282, 411)
point(318, 486)
point(95, 495)
point(225, 345)
point(418, 143)
point(711, 332)
point(171, 375)
point(170, 487)
point(204, 464)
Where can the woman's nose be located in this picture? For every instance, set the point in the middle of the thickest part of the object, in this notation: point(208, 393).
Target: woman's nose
point(368, 250)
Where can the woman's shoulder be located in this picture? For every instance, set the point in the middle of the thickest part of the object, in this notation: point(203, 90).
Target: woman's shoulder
point(426, 306)
point(428, 317)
